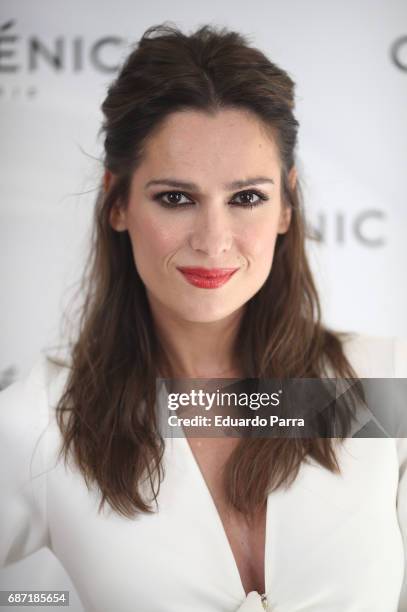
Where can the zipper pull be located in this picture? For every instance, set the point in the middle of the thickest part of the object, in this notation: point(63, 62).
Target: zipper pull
point(264, 600)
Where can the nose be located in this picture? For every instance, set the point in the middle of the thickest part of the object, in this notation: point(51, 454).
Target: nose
point(212, 233)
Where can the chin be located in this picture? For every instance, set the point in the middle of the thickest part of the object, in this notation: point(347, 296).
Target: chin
point(204, 313)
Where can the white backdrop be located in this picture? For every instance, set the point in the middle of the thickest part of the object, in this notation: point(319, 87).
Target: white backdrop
point(349, 60)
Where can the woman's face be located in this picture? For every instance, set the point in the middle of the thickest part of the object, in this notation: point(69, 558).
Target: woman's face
point(206, 196)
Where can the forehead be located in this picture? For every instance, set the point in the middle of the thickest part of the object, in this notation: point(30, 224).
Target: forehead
point(230, 140)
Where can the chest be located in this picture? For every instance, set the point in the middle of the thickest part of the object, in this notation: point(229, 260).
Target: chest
point(323, 537)
point(246, 540)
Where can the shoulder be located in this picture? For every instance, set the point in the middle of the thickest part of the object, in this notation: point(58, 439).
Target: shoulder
point(43, 384)
point(376, 356)
point(385, 357)
point(26, 406)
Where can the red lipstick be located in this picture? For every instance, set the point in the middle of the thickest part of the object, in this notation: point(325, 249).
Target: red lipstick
point(207, 278)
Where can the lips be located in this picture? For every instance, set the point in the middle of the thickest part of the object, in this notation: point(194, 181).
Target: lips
point(207, 278)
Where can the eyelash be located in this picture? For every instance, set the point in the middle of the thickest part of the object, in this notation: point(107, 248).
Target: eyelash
point(158, 197)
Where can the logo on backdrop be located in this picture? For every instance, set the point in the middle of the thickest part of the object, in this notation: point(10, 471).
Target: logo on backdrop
point(60, 54)
point(364, 228)
point(399, 53)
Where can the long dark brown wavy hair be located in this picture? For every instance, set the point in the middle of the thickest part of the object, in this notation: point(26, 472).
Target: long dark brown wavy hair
point(115, 357)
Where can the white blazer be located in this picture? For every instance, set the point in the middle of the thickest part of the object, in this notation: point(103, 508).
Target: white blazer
point(334, 543)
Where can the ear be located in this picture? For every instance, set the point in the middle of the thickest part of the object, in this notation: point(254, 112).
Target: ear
point(117, 216)
point(292, 178)
point(285, 215)
point(108, 180)
point(285, 219)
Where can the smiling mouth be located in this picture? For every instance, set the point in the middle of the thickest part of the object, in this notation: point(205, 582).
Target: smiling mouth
point(207, 278)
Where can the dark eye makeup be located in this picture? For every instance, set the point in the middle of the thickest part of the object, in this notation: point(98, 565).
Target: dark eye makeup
point(176, 196)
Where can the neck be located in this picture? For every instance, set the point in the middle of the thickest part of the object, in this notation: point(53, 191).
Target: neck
point(198, 350)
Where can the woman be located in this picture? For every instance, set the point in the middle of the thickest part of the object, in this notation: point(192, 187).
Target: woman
point(198, 270)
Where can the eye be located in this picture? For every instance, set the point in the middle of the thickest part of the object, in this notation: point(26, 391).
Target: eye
point(247, 198)
point(174, 199)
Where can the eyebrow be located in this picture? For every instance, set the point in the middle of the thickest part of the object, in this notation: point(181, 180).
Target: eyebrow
point(170, 182)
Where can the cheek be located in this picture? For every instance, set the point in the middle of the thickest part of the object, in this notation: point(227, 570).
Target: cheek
point(259, 242)
point(152, 239)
